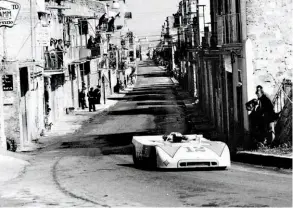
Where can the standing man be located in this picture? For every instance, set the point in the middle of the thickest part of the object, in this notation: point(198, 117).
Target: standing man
point(59, 51)
point(91, 99)
point(82, 99)
point(97, 94)
point(267, 113)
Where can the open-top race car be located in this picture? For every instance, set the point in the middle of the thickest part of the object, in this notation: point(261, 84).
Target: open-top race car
point(180, 151)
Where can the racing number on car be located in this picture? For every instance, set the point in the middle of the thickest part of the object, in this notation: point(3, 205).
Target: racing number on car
point(189, 149)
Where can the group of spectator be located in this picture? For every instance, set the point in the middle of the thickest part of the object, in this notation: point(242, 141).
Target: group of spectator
point(93, 44)
point(93, 95)
point(55, 53)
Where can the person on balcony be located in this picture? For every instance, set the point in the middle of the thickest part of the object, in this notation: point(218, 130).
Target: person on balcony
point(111, 26)
point(59, 52)
point(102, 20)
point(82, 101)
point(91, 42)
point(52, 54)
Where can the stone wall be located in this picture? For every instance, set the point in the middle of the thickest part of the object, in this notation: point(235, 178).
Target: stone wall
point(11, 104)
point(269, 27)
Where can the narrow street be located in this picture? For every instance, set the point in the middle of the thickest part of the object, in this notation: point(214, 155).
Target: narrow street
point(94, 167)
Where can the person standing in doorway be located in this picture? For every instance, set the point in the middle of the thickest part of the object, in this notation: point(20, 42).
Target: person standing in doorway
point(91, 99)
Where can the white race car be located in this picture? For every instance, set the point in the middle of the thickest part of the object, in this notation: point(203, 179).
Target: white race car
point(178, 151)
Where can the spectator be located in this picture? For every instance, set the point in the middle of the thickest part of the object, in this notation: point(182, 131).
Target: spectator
point(59, 52)
point(97, 93)
point(256, 123)
point(267, 115)
point(82, 99)
point(91, 42)
point(91, 99)
point(52, 54)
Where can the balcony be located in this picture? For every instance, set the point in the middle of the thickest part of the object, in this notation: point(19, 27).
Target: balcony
point(229, 29)
point(53, 60)
point(80, 52)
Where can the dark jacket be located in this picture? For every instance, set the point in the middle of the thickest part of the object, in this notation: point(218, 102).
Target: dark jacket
point(267, 108)
point(82, 95)
point(91, 95)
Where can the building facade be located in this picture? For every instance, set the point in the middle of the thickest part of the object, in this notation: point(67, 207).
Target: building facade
point(227, 48)
point(46, 62)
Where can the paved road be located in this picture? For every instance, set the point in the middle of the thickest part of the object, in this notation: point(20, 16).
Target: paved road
point(94, 168)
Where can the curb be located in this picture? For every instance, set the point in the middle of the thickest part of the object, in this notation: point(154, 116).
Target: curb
point(263, 159)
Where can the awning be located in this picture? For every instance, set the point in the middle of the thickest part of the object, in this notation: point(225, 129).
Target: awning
point(80, 61)
point(76, 10)
point(48, 72)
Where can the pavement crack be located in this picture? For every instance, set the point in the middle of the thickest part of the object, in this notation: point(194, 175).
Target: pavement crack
point(65, 191)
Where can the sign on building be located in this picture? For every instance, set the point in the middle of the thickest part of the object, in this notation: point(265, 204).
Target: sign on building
point(8, 13)
point(43, 36)
point(7, 82)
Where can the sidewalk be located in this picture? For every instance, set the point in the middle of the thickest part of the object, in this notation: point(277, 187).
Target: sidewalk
point(200, 124)
point(12, 164)
point(71, 123)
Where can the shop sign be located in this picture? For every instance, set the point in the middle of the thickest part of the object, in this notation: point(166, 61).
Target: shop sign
point(7, 82)
point(42, 36)
point(8, 13)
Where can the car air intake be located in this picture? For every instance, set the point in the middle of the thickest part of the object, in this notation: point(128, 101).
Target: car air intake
point(197, 164)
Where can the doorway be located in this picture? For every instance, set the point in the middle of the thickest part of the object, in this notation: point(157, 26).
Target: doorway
point(24, 88)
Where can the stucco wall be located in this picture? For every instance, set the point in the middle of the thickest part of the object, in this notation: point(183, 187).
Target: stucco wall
point(11, 104)
point(269, 26)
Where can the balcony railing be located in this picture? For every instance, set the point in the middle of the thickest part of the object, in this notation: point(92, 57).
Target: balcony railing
point(73, 52)
point(53, 60)
point(229, 29)
point(78, 52)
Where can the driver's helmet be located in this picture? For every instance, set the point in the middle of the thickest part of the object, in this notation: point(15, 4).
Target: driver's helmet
point(174, 137)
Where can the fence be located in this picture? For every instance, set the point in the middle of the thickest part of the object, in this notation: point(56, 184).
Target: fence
point(283, 95)
point(53, 60)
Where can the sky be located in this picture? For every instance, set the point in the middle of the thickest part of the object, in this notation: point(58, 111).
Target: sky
point(148, 16)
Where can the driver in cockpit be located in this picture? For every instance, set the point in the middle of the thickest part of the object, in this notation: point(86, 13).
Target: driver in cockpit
point(174, 137)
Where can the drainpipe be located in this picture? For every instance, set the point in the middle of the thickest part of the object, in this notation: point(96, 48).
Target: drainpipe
point(244, 73)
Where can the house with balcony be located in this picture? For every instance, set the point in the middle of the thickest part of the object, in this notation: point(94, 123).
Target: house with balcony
point(234, 58)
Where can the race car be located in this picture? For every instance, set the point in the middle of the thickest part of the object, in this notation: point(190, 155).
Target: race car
point(180, 151)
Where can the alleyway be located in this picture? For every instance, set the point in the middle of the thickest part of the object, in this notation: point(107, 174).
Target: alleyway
point(94, 167)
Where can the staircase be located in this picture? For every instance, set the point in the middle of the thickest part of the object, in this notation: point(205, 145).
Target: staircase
point(283, 105)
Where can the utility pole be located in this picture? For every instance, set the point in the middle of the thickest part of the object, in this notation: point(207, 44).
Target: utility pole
point(3, 144)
